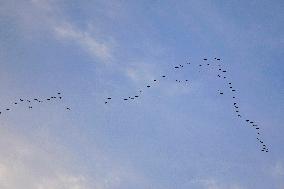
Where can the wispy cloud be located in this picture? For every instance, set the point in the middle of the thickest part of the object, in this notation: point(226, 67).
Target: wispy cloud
point(212, 183)
point(44, 17)
point(41, 164)
point(63, 181)
point(140, 72)
point(85, 39)
point(278, 169)
point(66, 30)
point(277, 172)
point(24, 165)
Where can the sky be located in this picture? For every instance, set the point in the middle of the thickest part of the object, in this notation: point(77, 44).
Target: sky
point(174, 136)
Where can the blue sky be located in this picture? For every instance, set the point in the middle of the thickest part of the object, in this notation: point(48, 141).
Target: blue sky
point(174, 136)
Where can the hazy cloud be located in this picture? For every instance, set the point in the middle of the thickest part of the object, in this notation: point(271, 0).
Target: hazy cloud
point(23, 164)
point(88, 42)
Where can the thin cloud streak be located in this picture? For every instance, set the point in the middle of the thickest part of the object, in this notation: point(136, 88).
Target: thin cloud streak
point(46, 17)
point(85, 40)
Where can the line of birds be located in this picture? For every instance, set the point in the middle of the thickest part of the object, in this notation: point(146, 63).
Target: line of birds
point(236, 107)
point(29, 102)
point(222, 74)
point(139, 93)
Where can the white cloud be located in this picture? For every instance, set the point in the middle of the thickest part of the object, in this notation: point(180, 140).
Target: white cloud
point(63, 29)
point(277, 172)
point(36, 18)
point(278, 169)
point(88, 42)
point(41, 164)
point(62, 181)
point(211, 183)
point(25, 165)
point(140, 73)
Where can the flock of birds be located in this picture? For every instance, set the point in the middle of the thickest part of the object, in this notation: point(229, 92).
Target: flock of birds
point(221, 74)
point(29, 103)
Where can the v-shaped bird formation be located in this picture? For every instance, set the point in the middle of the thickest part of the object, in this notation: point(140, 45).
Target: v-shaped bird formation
point(216, 65)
